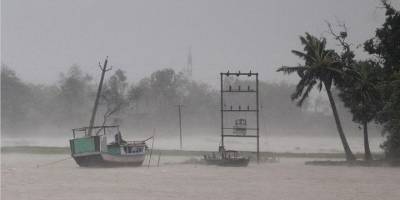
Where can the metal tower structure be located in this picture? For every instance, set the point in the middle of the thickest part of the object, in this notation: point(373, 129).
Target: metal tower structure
point(189, 63)
point(239, 108)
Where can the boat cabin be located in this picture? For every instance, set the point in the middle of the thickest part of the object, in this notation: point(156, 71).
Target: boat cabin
point(104, 139)
point(230, 154)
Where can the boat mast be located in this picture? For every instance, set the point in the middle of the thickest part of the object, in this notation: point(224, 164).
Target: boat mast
point(96, 102)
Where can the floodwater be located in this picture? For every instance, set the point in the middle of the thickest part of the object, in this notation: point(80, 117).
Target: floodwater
point(28, 176)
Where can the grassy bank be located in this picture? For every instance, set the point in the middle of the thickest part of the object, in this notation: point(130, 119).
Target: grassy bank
point(35, 150)
point(65, 150)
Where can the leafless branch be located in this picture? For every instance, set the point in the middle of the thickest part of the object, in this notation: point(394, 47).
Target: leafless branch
point(341, 37)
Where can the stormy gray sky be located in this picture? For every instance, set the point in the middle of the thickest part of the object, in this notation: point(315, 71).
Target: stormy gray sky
point(41, 38)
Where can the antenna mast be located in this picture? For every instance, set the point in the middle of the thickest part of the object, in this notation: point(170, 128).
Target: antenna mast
point(103, 69)
point(189, 64)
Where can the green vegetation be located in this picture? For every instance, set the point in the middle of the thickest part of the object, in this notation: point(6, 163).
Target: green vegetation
point(15, 91)
point(359, 92)
point(52, 110)
point(386, 47)
point(370, 89)
point(322, 67)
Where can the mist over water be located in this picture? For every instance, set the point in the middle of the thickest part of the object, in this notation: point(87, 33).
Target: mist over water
point(295, 144)
point(48, 118)
point(43, 115)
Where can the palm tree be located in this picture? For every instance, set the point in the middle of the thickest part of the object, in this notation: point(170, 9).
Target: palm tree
point(360, 94)
point(322, 68)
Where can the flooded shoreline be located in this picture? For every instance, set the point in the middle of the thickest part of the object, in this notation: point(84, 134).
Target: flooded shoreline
point(281, 144)
point(43, 150)
point(176, 178)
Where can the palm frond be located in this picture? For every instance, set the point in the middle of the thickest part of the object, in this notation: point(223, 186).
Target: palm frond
point(303, 83)
point(306, 92)
point(299, 89)
point(336, 70)
point(289, 70)
point(300, 54)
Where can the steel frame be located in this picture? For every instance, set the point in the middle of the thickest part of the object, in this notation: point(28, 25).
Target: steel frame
point(223, 110)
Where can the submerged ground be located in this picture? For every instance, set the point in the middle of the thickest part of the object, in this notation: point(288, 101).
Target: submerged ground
point(178, 178)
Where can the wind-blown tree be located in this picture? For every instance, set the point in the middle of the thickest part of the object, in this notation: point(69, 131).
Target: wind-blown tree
point(390, 118)
point(322, 68)
point(15, 100)
point(360, 93)
point(386, 47)
point(74, 95)
point(166, 87)
point(45, 102)
point(114, 96)
point(154, 98)
point(165, 84)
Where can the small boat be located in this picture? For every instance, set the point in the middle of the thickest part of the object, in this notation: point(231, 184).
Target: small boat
point(91, 146)
point(97, 151)
point(226, 158)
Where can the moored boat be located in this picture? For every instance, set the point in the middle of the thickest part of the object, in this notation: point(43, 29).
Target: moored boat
point(99, 151)
point(226, 158)
point(91, 146)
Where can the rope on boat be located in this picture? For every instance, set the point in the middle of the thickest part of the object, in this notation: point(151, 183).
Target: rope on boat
point(53, 162)
point(152, 137)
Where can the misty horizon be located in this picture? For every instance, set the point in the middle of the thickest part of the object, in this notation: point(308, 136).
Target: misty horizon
point(144, 37)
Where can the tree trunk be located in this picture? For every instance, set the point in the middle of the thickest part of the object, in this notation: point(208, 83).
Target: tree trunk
point(367, 153)
point(349, 154)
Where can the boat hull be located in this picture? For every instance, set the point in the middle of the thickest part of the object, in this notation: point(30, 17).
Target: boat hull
point(240, 162)
point(108, 160)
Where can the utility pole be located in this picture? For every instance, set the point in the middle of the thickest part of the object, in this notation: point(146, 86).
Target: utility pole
point(255, 110)
point(104, 69)
point(180, 123)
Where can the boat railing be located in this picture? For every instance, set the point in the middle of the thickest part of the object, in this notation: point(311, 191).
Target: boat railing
point(139, 142)
point(135, 142)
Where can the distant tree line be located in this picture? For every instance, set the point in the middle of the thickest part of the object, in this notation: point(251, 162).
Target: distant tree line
point(369, 88)
point(37, 109)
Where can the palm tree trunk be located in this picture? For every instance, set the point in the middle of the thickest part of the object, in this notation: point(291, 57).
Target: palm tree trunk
point(367, 153)
point(349, 154)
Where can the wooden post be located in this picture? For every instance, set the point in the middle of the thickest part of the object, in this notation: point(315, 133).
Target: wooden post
point(222, 108)
point(258, 121)
point(103, 71)
point(158, 162)
point(180, 124)
point(151, 150)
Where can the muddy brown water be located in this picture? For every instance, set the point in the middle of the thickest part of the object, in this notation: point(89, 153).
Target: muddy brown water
point(178, 179)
